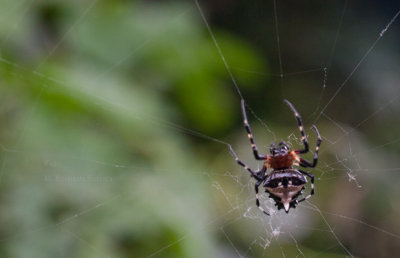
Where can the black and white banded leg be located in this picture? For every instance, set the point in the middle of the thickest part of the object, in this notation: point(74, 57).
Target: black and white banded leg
point(259, 175)
point(249, 134)
point(306, 163)
point(311, 176)
point(301, 128)
point(257, 197)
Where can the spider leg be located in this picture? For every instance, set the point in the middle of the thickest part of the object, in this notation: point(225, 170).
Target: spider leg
point(301, 128)
point(257, 197)
point(312, 185)
point(249, 133)
point(306, 163)
point(256, 174)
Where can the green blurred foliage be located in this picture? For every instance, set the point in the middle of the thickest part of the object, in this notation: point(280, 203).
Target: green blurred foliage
point(85, 89)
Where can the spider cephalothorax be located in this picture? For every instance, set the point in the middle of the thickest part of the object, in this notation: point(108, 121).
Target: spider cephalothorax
point(284, 183)
point(282, 148)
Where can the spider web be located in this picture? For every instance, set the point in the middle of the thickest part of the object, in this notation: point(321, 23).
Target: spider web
point(352, 164)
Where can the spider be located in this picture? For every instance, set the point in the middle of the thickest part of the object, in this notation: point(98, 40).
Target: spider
point(284, 183)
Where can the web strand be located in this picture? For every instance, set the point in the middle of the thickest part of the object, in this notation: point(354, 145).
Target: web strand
point(219, 49)
point(278, 42)
point(67, 33)
point(330, 229)
point(358, 64)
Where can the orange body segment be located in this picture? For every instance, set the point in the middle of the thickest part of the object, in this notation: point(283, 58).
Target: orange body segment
point(282, 161)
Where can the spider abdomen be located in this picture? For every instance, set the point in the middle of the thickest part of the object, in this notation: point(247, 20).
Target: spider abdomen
point(285, 186)
point(285, 178)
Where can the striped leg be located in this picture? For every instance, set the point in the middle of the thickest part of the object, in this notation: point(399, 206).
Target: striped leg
point(301, 128)
point(249, 134)
point(306, 163)
point(312, 185)
point(259, 175)
point(257, 197)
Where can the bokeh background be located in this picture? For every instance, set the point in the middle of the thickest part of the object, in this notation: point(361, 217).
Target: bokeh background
point(114, 117)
